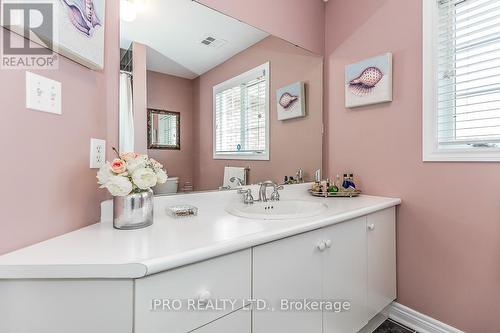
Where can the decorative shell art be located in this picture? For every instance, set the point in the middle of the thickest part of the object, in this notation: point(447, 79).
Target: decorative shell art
point(291, 101)
point(369, 81)
point(287, 100)
point(82, 15)
point(365, 83)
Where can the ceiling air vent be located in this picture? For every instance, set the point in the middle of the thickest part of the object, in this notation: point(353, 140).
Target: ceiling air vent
point(213, 42)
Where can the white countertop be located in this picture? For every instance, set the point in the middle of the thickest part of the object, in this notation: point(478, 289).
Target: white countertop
point(99, 251)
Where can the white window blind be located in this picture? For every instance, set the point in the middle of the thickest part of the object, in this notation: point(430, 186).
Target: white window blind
point(167, 130)
point(467, 35)
point(241, 116)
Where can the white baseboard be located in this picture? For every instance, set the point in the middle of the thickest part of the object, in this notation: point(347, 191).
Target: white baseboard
point(417, 321)
point(374, 323)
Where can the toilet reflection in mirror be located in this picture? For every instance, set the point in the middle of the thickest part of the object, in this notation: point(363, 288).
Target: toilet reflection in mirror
point(204, 97)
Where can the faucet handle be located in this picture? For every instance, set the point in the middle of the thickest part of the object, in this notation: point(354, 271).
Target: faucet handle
point(247, 196)
point(275, 196)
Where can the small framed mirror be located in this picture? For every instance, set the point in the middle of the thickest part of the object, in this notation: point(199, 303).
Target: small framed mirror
point(164, 129)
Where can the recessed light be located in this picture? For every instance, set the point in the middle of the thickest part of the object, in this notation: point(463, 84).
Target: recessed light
point(128, 10)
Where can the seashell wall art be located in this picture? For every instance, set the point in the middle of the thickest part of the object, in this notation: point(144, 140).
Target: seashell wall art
point(369, 81)
point(291, 101)
point(77, 30)
point(81, 31)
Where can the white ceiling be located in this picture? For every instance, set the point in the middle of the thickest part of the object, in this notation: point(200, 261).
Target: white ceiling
point(173, 31)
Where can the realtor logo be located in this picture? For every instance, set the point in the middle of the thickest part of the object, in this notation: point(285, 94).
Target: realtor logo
point(35, 22)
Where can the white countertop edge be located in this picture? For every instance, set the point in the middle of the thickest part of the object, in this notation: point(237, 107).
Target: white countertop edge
point(147, 267)
point(90, 271)
point(189, 257)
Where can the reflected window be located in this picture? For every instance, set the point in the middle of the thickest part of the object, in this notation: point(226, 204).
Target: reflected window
point(241, 116)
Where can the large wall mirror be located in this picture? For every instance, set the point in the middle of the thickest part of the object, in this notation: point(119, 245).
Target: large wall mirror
point(218, 102)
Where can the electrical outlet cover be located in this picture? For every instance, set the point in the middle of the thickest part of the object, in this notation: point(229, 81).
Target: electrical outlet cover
point(97, 153)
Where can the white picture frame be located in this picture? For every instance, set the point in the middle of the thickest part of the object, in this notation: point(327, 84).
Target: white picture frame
point(291, 101)
point(369, 81)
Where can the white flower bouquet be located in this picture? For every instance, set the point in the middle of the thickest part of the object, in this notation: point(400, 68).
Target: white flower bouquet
point(131, 173)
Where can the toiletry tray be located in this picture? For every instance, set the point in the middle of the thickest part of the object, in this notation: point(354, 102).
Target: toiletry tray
point(340, 194)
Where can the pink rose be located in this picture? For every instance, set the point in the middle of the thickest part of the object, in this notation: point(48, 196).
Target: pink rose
point(156, 164)
point(118, 166)
point(128, 156)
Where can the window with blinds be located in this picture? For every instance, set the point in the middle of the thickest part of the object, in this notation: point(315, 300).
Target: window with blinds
point(241, 115)
point(466, 70)
point(167, 130)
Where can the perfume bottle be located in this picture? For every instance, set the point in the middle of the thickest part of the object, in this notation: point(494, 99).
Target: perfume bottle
point(345, 182)
point(333, 187)
point(337, 181)
point(351, 181)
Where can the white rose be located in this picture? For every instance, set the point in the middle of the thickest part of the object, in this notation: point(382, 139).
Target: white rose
point(104, 174)
point(144, 178)
point(136, 163)
point(162, 176)
point(119, 186)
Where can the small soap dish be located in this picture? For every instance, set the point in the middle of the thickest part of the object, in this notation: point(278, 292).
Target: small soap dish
point(178, 211)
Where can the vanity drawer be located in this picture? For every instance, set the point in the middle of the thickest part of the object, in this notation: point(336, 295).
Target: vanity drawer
point(226, 277)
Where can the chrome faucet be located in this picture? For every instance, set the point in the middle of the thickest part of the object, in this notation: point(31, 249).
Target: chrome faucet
point(275, 196)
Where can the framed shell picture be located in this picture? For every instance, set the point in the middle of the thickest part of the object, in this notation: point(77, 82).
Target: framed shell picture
point(72, 28)
point(369, 81)
point(291, 101)
point(81, 36)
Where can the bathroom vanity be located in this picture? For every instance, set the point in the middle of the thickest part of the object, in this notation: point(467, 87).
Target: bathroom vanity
point(98, 279)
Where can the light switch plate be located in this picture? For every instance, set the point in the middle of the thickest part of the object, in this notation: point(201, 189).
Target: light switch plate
point(97, 153)
point(43, 94)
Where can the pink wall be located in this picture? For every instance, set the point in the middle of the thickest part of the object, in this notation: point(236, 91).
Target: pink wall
point(448, 225)
point(171, 93)
point(294, 143)
point(448, 239)
point(139, 100)
point(298, 21)
point(48, 188)
point(112, 77)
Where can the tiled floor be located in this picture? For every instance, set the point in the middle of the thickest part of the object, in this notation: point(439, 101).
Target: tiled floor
point(390, 326)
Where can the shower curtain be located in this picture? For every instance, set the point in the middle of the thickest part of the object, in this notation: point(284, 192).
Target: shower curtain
point(126, 113)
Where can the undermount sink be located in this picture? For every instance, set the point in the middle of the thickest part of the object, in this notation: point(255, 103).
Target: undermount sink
point(278, 210)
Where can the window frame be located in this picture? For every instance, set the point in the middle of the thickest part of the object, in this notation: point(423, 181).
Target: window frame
point(244, 77)
point(431, 152)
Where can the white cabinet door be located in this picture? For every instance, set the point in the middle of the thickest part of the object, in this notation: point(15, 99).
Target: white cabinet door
point(381, 245)
point(288, 269)
point(345, 275)
point(64, 306)
point(222, 278)
point(236, 322)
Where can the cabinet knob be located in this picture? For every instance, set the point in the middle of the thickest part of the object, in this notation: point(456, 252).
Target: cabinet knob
point(204, 296)
point(371, 227)
point(328, 243)
point(322, 246)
